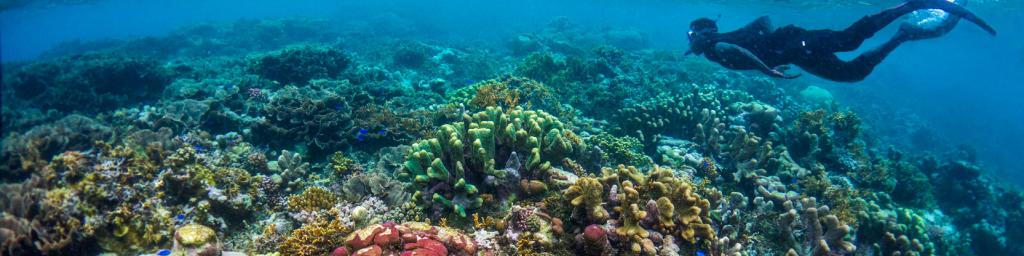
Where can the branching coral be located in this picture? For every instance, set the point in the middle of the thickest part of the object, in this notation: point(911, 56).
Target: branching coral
point(824, 234)
point(312, 200)
point(648, 207)
point(508, 92)
point(453, 171)
point(700, 115)
point(315, 238)
point(620, 150)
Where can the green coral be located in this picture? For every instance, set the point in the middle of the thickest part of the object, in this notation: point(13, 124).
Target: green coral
point(462, 155)
point(620, 150)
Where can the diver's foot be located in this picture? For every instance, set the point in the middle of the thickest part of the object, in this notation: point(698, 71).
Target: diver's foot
point(952, 8)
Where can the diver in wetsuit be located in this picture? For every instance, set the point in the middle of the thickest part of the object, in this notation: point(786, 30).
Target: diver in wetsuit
point(758, 46)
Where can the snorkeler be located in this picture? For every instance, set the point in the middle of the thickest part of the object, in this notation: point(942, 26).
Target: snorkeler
point(758, 46)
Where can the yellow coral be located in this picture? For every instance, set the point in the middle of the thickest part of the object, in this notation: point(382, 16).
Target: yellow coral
point(587, 192)
point(194, 235)
point(315, 238)
point(311, 200)
point(341, 164)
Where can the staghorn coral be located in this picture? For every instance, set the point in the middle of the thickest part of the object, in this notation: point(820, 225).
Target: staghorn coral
point(508, 92)
point(343, 165)
point(620, 150)
point(313, 199)
point(314, 238)
point(453, 170)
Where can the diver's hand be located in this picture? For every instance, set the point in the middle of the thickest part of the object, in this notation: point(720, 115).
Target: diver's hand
point(779, 71)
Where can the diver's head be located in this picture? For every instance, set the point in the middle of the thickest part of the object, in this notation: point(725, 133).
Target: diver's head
point(702, 26)
point(698, 34)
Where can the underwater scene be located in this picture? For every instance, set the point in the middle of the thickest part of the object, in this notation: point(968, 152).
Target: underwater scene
point(459, 127)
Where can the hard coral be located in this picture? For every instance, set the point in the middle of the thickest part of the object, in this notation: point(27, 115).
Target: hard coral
point(33, 224)
point(411, 238)
point(451, 171)
point(311, 200)
point(89, 82)
point(28, 151)
point(319, 117)
point(659, 203)
point(315, 238)
point(298, 64)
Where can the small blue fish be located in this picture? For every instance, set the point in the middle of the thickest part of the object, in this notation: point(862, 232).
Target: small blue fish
point(163, 252)
point(180, 217)
point(382, 132)
point(339, 106)
point(700, 253)
point(360, 138)
point(363, 131)
point(793, 181)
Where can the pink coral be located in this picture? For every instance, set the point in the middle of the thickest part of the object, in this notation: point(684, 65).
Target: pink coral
point(413, 238)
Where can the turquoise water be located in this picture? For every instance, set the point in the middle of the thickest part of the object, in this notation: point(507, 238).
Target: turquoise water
point(228, 114)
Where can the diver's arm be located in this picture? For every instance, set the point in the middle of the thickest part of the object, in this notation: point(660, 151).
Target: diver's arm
point(734, 56)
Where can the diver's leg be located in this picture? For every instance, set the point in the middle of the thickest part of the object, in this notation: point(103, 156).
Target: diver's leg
point(830, 67)
point(850, 38)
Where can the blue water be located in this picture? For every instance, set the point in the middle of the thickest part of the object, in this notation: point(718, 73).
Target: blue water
point(960, 92)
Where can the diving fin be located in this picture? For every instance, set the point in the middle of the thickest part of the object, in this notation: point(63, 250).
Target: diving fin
point(928, 23)
point(953, 9)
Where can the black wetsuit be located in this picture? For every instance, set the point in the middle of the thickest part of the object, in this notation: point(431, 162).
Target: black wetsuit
point(814, 50)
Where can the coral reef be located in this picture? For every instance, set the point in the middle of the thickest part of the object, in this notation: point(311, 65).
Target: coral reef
point(89, 82)
point(362, 138)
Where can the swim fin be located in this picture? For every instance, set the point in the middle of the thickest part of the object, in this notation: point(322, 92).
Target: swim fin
point(927, 24)
point(953, 9)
